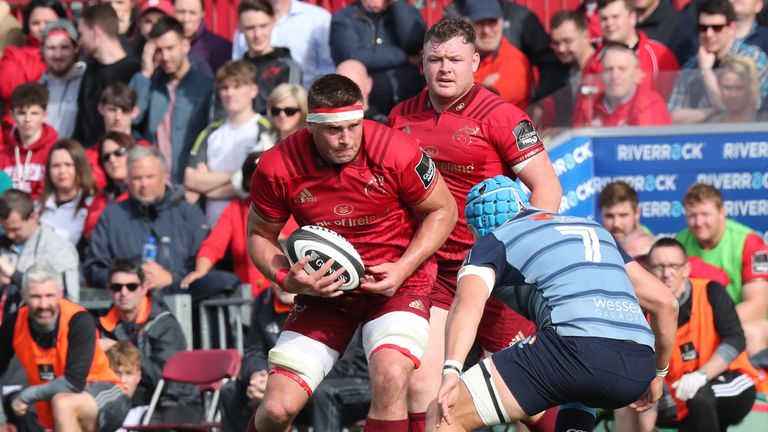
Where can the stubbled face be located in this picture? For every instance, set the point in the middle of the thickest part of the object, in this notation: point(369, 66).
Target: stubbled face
point(338, 142)
point(376, 5)
point(568, 42)
point(257, 28)
point(43, 301)
point(705, 221)
point(190, 14)
point(89, 40)
point(62, 170)
point(617, 23)
point(489, 34)
point(670, 265)
point(172, 51)
point(146, 180)
point(449, 69)
point(125, 300)
point(59, 54)
point(620, 219)
point(38, 19)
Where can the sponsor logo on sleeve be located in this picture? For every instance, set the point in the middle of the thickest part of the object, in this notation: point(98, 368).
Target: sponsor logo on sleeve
point(760, 262)
point(426, 170)
point(525, 135)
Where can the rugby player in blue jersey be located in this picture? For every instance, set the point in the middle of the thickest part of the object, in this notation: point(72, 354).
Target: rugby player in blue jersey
point(588, 299)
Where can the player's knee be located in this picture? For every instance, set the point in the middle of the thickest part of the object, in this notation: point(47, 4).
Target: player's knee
point(278, 411)
point(390, 369)
point(63, 404)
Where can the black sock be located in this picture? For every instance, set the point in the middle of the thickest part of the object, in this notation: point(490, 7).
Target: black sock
point(575, 417)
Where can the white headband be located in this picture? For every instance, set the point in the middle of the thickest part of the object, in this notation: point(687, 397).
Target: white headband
point(335, 114)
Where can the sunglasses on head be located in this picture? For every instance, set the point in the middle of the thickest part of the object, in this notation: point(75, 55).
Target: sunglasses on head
point(289, 112)
point(117, 153)
point(717, 28)
point(117, 287)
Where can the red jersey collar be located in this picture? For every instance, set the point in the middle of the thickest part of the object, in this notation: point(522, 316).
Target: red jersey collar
point(459, 105)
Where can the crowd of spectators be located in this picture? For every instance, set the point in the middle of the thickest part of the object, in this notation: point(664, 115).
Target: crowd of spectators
point(133, 124)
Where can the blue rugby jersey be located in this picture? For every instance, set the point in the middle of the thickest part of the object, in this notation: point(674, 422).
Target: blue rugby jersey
point(566, 272)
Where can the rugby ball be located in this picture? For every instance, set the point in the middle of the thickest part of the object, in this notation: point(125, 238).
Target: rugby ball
point(321, 244)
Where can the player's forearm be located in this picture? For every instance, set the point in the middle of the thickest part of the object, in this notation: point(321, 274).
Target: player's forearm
point(461, 325)
point(664, 326)
point(266, 255)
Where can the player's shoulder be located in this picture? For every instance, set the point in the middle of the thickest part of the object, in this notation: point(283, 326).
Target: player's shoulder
point(290, 157)
point(488, 108)
point(408, 107)
point(389, 148)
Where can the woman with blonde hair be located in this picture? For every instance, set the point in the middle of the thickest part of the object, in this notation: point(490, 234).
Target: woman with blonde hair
point(739, 90)
point(287, 110)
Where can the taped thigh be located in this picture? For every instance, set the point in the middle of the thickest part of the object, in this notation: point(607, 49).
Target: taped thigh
point(484, 394)
point(402, 331)
point(305, 360)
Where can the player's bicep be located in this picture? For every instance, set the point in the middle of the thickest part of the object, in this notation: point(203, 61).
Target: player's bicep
point(260, 227)
point(477, 278)
point(267, 198)
point(538, 175)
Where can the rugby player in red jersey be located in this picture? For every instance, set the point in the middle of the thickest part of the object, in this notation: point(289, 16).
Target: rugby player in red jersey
point(471, 134)
point(376, 187)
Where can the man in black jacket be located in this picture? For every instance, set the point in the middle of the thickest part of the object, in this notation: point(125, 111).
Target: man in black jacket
point(146, 322)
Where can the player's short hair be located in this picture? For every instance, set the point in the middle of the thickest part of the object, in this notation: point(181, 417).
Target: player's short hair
point(668, 242)
point(124, 354)
point(18, 201)
point(333, 90)
point(127, 265)
point(239, 71)
point(448, 28)
point(120, 95)
point(164, 25)
point(30, 94)
point(104, 17)
point(629, 4)
point(617, 192)
point(256, 6)
point(575, 16)
point(701, 192)
point(716, 7)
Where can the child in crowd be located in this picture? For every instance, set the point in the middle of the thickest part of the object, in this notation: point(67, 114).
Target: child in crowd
point(29, 140)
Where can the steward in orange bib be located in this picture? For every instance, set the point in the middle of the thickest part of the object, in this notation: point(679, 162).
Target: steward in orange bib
point(712, 381)
point(70, 380)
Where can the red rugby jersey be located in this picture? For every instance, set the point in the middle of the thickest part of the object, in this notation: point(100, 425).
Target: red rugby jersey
point(366, 200)
point(478, 137)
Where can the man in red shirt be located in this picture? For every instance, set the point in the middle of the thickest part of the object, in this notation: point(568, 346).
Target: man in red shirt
point(472, 134)
point(618, 20)
point(503, 69)
point(376, 187)
point(624, 102)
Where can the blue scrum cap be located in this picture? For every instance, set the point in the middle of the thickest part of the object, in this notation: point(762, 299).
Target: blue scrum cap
point(492, 202)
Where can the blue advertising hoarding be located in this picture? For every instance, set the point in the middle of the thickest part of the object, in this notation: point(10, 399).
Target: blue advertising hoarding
point(662, 166)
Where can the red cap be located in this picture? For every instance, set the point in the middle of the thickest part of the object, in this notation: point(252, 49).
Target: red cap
point(164, 6)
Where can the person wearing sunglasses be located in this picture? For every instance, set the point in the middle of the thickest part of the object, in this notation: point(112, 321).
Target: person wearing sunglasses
point(697, 95)
point(286, 110)
point(69, 192)
point(138, 317)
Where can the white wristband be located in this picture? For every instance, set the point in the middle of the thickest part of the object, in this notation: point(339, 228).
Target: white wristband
point(661, 373)
point(452, 366)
